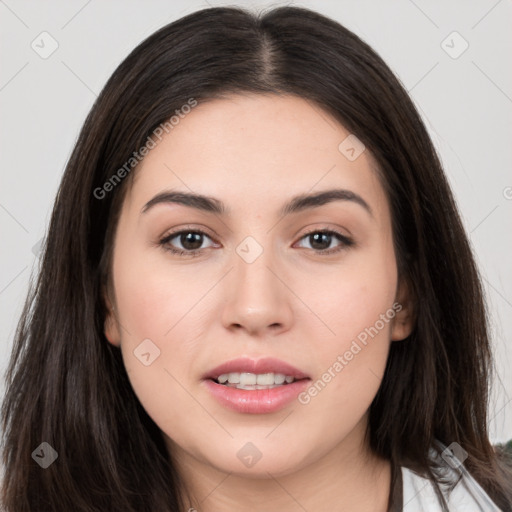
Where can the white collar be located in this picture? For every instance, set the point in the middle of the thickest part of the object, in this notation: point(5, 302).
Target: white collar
point(419, 494)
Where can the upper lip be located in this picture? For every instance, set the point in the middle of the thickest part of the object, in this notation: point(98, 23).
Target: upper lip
point(258, 366)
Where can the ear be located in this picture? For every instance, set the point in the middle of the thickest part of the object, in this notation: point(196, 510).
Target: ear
point(404, 320)
point(111, 328)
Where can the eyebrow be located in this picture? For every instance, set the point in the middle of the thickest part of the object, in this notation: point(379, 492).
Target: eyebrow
point(296, 204)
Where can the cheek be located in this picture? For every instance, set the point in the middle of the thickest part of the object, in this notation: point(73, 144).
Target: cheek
point(358, 309)
point(154, 296)
point(157, 309)
point(350, 298)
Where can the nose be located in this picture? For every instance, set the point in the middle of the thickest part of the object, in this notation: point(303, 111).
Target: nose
point(258, 298)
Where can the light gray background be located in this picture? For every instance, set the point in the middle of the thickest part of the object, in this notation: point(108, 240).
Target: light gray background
point(466, 103)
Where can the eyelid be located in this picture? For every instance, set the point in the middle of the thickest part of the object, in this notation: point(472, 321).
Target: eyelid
point(325, 226)
point(189, 228)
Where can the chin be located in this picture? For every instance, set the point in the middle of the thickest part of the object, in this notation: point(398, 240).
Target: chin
point(256, 460)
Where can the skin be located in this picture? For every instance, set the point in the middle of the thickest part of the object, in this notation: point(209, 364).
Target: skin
point(254, 152)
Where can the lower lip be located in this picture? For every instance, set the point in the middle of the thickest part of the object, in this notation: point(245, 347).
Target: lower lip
point(257, 401)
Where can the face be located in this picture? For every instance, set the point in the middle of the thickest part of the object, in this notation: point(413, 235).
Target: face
point(310, 293)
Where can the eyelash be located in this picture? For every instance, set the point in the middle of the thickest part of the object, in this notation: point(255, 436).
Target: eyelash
point(164, 242)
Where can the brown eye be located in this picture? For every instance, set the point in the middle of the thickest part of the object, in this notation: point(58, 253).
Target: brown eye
point(190, 240)
point(321, 240)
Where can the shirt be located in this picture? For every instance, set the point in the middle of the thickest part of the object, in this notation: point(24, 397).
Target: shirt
point(416, 493)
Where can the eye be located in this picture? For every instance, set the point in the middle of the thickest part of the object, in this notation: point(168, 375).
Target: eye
point(320, 238)
point(190, 240)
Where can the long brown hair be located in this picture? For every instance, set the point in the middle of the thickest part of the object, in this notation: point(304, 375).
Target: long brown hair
point(67, 386)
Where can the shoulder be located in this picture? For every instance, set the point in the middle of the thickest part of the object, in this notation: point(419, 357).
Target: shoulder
point(461, 491)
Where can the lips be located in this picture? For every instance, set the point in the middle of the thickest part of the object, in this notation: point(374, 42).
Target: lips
point(255, 399)
point(258, 366)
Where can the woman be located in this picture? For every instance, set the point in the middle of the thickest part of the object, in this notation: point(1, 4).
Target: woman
point(263, 370)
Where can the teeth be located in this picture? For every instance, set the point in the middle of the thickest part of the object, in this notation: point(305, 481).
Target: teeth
point(266, 379)
point(248, 378)
point(256, 386)
point(254, 381)
point(279, 378)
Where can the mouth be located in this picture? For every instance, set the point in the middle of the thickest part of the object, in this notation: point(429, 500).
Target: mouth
point(250, 381)
point(252, 386)
point(250, 374)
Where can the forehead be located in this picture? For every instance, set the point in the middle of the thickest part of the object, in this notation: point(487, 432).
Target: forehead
point(256, 150)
